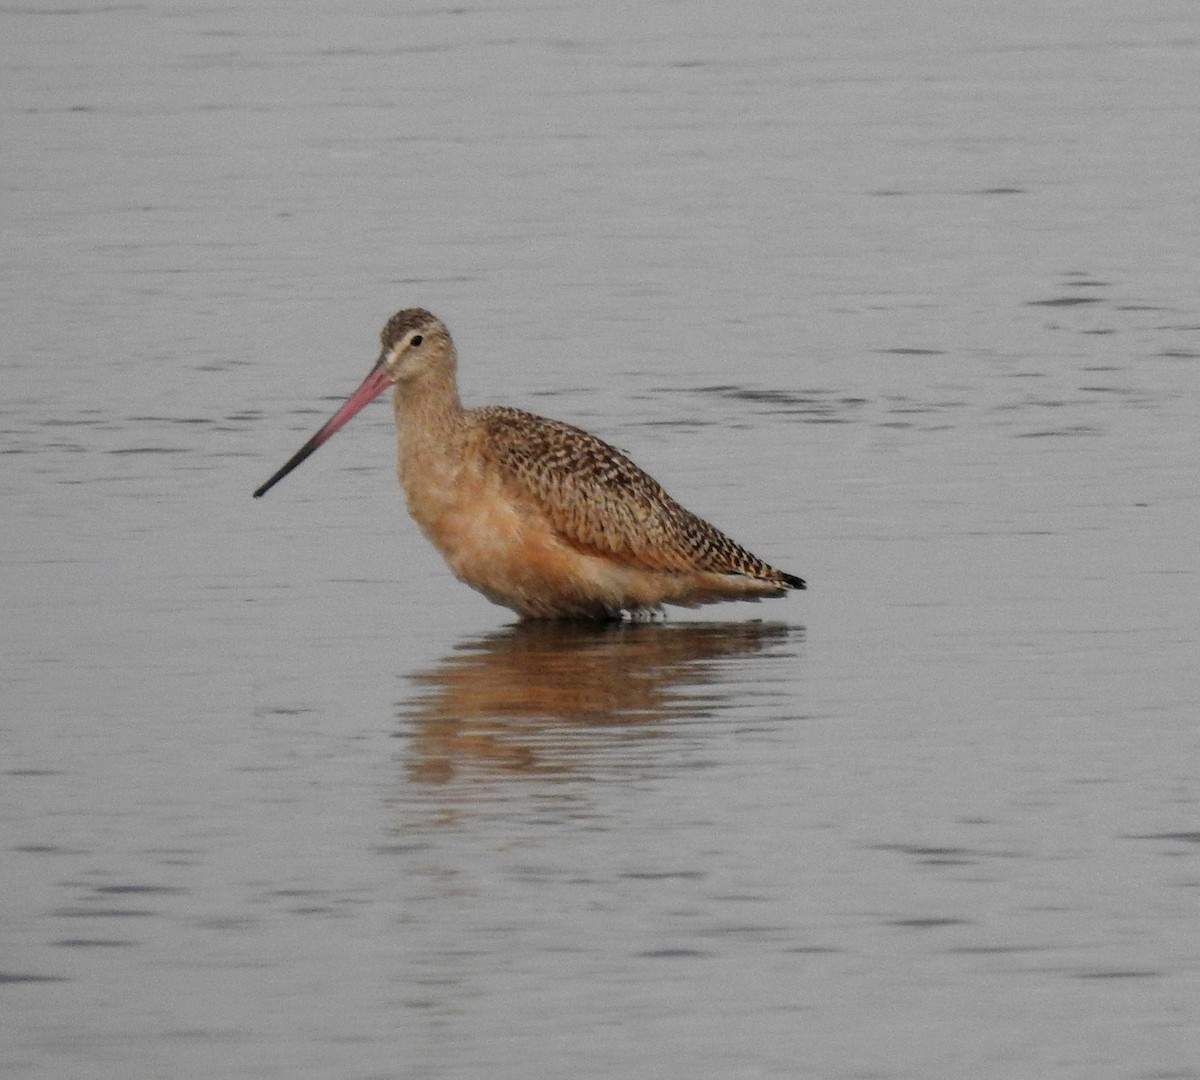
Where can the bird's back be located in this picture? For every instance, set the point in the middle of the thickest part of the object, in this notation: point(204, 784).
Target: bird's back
point(599, 501)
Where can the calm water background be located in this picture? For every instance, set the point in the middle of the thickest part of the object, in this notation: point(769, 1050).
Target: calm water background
point(904, 296)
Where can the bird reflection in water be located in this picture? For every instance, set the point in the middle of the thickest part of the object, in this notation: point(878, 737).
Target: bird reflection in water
point(537, 699)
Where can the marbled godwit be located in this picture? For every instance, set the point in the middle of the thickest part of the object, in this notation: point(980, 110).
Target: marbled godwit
point(537, 515)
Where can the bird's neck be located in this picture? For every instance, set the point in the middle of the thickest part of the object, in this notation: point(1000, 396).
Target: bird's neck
point(428, 411)
point(431, 429)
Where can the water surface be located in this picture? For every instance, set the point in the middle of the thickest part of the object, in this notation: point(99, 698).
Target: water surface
point(902, 298)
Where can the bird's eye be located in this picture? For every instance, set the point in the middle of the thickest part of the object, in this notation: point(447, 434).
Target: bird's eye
point(415, 340)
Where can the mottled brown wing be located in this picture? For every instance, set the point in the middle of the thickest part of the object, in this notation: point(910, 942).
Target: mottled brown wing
point(600, 501)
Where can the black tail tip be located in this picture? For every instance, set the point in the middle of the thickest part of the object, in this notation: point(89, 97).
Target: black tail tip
point(793, 581)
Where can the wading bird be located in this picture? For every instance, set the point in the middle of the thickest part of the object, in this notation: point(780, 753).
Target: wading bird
point(537, 515)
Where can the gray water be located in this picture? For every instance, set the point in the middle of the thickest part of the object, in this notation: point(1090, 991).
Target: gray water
point(903, 296)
